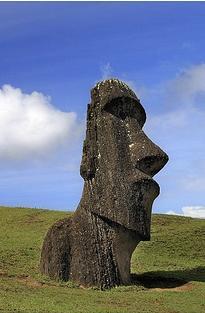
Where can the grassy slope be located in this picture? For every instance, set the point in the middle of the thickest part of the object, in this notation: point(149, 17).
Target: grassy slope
point(177, 250)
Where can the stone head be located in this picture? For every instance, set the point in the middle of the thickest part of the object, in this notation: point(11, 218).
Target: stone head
point(119, 160)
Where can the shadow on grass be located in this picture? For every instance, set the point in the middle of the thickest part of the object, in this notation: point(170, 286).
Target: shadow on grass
point(169, 279)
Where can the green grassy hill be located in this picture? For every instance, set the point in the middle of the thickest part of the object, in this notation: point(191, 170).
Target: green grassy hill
point(170, 269)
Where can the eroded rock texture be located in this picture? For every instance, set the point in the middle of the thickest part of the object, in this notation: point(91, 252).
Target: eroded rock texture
point(95, 246)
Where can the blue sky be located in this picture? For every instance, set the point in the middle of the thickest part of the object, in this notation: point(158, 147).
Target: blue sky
point(53, 53)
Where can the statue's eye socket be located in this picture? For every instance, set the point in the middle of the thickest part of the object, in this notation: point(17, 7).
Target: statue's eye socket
point(122, 115)
point(126, 107)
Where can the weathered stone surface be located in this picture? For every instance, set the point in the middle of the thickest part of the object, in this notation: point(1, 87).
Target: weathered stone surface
point(95, 246)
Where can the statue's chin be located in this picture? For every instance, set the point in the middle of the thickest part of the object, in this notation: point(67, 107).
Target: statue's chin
point(139, 205)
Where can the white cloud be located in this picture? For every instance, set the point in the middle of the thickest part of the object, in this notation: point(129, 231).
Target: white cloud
point(189, 83)
point(106, 71)
point(172, 213)
point(195, 184)
point(190, 211)
point(31, 126)
point(181, 133)
point(173, 119)
point(194, 211)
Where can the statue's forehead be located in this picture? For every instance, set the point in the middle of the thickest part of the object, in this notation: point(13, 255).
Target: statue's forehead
point(109, 89)
point(115, 97)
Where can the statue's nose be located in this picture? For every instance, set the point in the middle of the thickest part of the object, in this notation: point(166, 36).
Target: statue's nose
point(147, 156)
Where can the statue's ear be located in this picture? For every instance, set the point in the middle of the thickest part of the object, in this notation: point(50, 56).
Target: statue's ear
point(88, 166)
point(89, 158)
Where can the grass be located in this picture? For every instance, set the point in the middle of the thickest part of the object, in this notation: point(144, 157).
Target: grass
point(170, 269)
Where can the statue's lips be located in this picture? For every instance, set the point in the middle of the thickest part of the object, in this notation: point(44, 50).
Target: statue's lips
point(144, 193)
point(155, 186)
point(144, 182)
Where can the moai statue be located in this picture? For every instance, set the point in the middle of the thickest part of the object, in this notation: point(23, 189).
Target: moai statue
point(94, 247)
